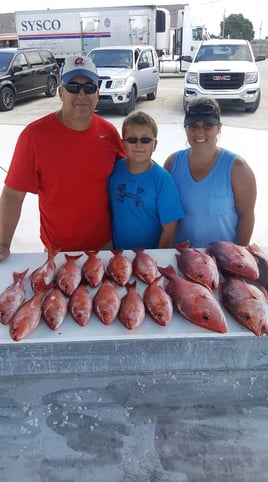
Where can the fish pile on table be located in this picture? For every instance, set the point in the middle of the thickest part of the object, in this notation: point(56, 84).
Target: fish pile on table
point(238, 275)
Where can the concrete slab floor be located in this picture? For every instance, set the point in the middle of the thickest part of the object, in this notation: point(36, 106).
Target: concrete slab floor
point(158, 427)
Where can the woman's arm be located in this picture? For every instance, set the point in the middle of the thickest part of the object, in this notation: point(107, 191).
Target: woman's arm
point(245, 193)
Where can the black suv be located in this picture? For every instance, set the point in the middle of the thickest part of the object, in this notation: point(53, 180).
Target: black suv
point(26, 73)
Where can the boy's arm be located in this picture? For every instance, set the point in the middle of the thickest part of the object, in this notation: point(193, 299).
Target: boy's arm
point(168, 235)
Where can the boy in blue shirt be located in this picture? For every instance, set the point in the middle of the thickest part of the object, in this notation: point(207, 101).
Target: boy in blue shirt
point(144, 199)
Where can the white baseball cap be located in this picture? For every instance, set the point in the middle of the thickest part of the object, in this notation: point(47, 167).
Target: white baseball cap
point(75, 66)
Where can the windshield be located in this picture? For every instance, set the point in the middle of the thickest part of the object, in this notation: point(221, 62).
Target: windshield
point(223, 52)
point(112, 58)
point(5, 59)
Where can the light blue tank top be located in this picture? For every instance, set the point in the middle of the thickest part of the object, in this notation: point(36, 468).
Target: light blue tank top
point(209, 204)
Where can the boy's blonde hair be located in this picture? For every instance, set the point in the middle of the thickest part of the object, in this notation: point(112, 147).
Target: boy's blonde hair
point(141, 119)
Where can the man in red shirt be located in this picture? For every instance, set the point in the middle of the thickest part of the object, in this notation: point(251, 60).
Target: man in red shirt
point(65, 158)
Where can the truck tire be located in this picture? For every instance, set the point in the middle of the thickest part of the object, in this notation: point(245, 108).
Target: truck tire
point(51, 87)
point(131, 103)
point(151, 95)
point(7, 99)
point(254, 106)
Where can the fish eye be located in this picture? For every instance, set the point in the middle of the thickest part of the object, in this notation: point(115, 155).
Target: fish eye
point(246, 317)
point(205, 317)
point(200, 275)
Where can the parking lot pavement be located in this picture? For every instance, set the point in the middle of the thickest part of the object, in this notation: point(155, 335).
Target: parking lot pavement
point(249, 143)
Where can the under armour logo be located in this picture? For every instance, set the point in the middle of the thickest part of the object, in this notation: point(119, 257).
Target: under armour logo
point(79, 61)
point(123, 193)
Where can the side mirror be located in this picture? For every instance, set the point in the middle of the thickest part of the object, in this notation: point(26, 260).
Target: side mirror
point(259, 58)
point(17, 68)
point(187, 58)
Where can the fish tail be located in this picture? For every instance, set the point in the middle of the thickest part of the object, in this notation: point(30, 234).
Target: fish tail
point(117, 251)
point(52, 251)
point(71, 256)
point(182, 246)
point(131, 285)
point(19, 276)
point(168, 271)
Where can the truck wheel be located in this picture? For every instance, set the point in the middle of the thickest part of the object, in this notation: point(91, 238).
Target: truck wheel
point(51, 87)
point(131, 103)
point(151, 95)
point(254, 106)
point(7, 99)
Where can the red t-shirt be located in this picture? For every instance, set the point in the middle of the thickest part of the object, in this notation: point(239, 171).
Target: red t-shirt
point(69, 170)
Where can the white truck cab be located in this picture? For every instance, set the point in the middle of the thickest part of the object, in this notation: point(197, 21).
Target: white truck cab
point(225, 70)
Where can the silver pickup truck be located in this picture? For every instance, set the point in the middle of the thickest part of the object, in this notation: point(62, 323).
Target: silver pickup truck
point(125, 73)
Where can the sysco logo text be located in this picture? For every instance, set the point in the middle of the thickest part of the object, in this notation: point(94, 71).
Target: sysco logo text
point(38, 25)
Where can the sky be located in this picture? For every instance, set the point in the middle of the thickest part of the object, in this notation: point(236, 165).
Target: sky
point(212, 11)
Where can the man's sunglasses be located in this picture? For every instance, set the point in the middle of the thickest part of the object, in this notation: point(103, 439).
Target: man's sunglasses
point(76, 87)
point(134, 140)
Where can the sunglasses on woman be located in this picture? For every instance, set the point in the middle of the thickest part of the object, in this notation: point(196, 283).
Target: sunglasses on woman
point(204, 109)
point(74, 88)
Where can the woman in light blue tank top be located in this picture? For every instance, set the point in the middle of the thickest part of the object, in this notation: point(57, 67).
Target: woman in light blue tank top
point(216, 186)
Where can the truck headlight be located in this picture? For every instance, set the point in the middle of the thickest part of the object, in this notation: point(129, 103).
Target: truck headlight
point(251, 77)
point(192, 77)
point(119, 83)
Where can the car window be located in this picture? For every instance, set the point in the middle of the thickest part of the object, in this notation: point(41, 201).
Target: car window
point(48, 57)
point(5, 59)
point(147, 57)
point(224, 52)
point(20, 61)
point(34, 58)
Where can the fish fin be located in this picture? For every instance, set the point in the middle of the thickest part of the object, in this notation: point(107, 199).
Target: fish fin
point(91, 251)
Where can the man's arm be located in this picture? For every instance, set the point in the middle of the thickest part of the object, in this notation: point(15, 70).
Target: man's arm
point(10, 210)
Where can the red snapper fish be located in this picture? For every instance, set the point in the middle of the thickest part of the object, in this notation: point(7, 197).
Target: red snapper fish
point(194, 301)
point(262, 260)
point(144, 267)
point(233, 259)
point(132, 309)
point(54, 309)
point(12, 297)
point(158, 303)
point(27, 317)
point(106, 302)
point(80, 305)
point(246, 303)
point(93, 269)
point(69, 275)
point(197, 266)
point(120, 268)
point(46, 272)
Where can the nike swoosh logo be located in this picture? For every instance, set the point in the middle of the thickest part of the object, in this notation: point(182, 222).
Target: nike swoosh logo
point(102, 136)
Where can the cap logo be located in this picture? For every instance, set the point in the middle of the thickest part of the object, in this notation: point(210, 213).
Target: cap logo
point(79, 61)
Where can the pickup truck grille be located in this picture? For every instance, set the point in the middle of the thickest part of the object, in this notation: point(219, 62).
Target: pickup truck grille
point(221, 80)
point(105, 82)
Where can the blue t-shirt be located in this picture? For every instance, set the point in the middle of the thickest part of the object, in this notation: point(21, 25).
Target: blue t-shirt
point(140, 204)
point(209, 204)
